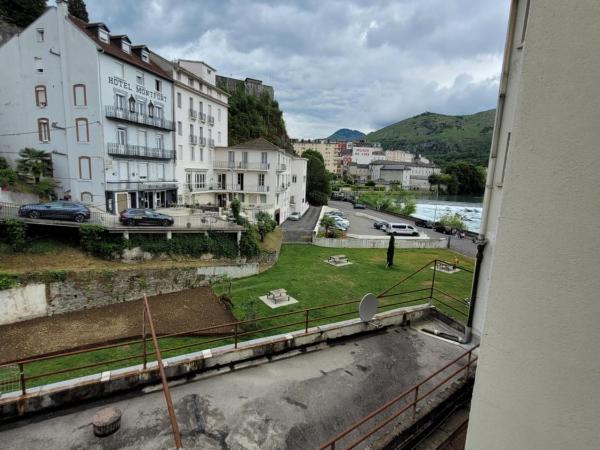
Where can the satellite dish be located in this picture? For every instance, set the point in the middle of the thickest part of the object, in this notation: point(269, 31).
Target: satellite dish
point(368, 307)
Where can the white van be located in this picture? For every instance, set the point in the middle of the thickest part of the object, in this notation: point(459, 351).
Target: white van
point(400, 229)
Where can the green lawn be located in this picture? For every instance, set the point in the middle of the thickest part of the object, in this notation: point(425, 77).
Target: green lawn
point(301, 270)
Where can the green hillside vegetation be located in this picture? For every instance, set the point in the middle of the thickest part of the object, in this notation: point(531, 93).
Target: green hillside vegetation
point(251, 117)
point(346, 134)
point(444, 139)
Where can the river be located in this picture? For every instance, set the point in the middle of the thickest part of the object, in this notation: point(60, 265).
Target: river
point(431, 208)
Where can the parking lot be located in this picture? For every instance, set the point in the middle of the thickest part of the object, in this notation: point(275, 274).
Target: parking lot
point(360, 225)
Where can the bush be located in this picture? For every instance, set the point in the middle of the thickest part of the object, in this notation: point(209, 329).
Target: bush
point(249, 311)
point(7, 281)
point(54, 275)
point(264, 224)
point(16, 234)
point(317, 198)
point(249, 243)
point(96, 240)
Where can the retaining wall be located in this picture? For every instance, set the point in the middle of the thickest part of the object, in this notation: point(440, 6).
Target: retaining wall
point(381, 243)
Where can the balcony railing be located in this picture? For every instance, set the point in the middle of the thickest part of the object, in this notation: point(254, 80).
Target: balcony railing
point(249, 188)
point(211, 120)
point(140, 185)
point(126, 115)
point(240, 165)
point(193, 139)
point(139, 151)
point(202, 116)
point(193, 114)
point(281, 167)
point(211, 143)
point(203, 141)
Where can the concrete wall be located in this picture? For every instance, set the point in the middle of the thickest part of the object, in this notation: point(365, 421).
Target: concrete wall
point(381, 243)
point(22, 303)
point(18, 197)
point(537, 384)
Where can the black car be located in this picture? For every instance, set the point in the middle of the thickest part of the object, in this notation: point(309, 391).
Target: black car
point(134, 217)
point(423, 223)
point(378, 224)
point(359, 206)
point(56, 210)
point(441, 228)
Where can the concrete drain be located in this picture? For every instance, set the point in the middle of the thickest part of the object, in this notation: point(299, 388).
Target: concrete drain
point(106, 421)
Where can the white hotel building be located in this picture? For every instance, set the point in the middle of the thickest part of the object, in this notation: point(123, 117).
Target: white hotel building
point(97, 103)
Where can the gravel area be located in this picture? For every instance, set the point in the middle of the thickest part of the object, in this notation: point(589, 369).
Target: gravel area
point(179, 311)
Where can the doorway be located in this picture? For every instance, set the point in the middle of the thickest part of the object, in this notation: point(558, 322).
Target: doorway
point(121, 201)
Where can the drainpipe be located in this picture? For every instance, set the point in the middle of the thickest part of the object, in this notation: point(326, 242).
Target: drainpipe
point(481, 240)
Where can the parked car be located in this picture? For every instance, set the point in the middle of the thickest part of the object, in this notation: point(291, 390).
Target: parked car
point(295, 216)
point(401, 229)
point(342, 224)
point(56, 210)
point(423, 223)
point(335, 214)
point(379, 224)
point(440, 228)
point(338, 196)
point(135, 217)
point(359, 206)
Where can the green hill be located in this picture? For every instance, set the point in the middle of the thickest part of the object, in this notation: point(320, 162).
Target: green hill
point(444, 139)
point(346, 134)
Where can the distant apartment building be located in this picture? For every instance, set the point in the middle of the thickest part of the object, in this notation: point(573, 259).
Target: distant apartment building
point(362, 154)
point(251, 86)
point(328, 149)
point(201, 118)
point(95, 102)
point(411, 175)
point(403, 156)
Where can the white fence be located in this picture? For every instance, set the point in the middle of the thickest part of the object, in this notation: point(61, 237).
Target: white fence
point(380, 243)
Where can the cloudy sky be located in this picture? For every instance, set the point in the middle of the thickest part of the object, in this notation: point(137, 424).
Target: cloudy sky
point(359, 64)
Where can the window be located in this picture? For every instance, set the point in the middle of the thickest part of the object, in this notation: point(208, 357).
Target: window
point(210, 110)
point(179, 99)
point(158, 112)
point(82, 130)
point(79, 95)
point(261, 179)
point(139, 78)
point(201, 154)
point(219, 137)
point(161, 171)
point(188, 180)
point(179, 128)
point(141, 107)
point(191, 129)
point(119, 101)
point(180, 152)
point(263, 157)
point(191, 81)
point(44, 130)
point(201, 132)
point(294, 179)
point(200, 107)
point(39, 35)
point(85, 168)
point(191, 103)
point(199, 180)
point(41, 98)
point(160, 144)
point(192, 154)
point(158, 85)
point(38, 64)
point(142, 138)
point(126, 47)
point(145, 56)
point(121, 136)
point(103, 35)
point(219, 114)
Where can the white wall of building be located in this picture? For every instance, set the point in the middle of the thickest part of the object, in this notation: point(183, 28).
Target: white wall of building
point(366, 155)
point(537, 304)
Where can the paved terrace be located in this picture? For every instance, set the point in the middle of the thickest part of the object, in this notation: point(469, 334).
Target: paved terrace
point(183, 223)
point(296, 401)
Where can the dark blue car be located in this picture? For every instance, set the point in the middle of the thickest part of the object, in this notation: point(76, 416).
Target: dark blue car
point(133, 217)
point(56, 210)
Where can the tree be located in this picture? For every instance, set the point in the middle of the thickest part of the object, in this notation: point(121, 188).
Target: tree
point(22, 12)
point(390, 251)
point(264, 224)
point(317, 182)
point(34, 164)
point(236, 207)
point(328, 223)
point(78, 9)
point(453, 221)
point(7, 175)
point(469, 179)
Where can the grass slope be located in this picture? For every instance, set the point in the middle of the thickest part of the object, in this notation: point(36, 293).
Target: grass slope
point(445, 139)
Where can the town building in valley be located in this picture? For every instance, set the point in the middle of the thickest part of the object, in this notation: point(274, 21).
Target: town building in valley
point(97, 104)
point(328, 149)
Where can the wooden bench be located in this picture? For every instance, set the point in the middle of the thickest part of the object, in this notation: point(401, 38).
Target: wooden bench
point(338, 259)
point(278, 294)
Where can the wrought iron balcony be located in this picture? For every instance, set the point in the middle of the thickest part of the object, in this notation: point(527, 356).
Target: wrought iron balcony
point(126, 115)
point(203, 141)
point(193, 114)
point(138, 151)
point(211, 120)
point(211, 143)
point(193, 139)
point(202, 116)
point(240, 165)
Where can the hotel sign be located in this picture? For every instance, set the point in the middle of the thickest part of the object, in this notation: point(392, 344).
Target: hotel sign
point(141, 90)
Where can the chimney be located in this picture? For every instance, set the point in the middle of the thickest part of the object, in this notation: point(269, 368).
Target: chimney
point(63, 7)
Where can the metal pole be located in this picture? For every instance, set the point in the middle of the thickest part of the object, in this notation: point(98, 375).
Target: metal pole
point(433, 281)
point(236, 335)
point(415, 402)
point(306, 321)
point(145, 346)
point(163, 377)
point(22, 379)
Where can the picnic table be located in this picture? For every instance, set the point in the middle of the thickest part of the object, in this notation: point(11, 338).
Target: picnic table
point(338, 259)
point(278, 294)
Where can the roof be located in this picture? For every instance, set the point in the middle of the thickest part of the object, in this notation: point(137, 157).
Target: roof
point(116, 51)
point(257, 144)
point(394, 167)
point(402, 163)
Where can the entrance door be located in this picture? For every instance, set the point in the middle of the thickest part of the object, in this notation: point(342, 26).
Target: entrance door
point(121, 201)
point(222, 200)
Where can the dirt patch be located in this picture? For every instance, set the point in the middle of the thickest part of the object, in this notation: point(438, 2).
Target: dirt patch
point(176, 312)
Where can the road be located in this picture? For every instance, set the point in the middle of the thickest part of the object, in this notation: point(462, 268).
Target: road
point(293, 402)
point(361, 225)
point(301, 230)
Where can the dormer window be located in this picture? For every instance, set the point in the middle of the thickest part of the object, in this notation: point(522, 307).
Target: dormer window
point(126, 47)
point(145, 56)
point(103, 35)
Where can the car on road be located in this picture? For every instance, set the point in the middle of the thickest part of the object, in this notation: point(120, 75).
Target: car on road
point(379, 224)
point(295, 216)
point(341, 224)
point(335, 214)
point(401, 229)
point(59, 210)
point(359, 206)
point(135, 217)
point(423, 223)
point(441, 228)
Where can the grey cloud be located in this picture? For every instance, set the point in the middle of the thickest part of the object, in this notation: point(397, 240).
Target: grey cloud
point(357, 63)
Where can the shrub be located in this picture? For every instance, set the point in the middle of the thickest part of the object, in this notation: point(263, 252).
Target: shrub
point(7, 281)
point(264, 224)
point(249, 311)
point(97, 241)
point(16, 234)
point(236, 207)
point(54, 275)
point(249, 242)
